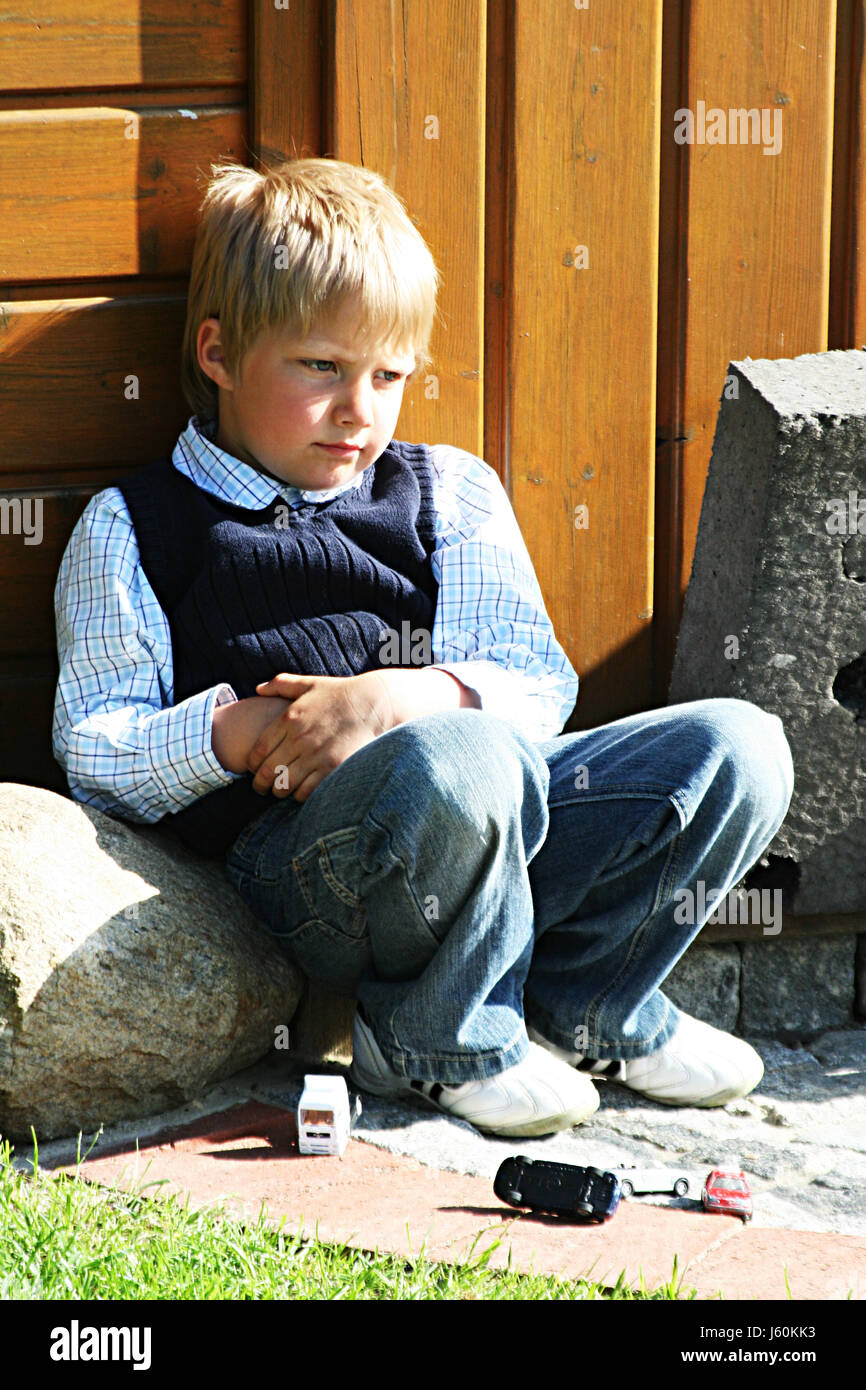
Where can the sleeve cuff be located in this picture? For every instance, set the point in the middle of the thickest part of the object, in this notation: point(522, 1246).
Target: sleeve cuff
point(182, 759)
point(504, 693)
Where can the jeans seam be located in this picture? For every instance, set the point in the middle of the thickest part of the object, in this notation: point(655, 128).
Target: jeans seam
point(666, 878)
point(399, 860)
point(403, 1060)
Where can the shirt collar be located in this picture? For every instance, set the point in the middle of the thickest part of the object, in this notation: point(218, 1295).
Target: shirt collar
point(220, 473)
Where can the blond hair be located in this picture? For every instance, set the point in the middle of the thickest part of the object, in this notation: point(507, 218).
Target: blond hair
point(285, 247)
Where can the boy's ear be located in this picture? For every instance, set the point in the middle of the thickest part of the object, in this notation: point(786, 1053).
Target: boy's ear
point(211, 358)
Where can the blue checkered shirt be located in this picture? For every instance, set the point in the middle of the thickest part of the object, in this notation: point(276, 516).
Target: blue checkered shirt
point(127, 749)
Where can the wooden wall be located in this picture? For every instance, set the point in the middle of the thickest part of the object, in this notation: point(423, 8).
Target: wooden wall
point(598, 276)
point(109, 111)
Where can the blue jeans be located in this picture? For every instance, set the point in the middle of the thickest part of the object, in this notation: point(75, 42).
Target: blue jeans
point(457, 878)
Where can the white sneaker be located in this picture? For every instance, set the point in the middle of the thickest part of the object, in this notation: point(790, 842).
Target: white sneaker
point(539, 1095)
point(699, 1066)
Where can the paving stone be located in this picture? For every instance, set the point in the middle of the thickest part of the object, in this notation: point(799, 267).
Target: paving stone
point(371, 1199)
point(797, 988)
point(754, 1267)
point(774, 611)
point(705, 982)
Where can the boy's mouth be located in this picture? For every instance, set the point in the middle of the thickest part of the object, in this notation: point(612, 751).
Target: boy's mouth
point(341, 448)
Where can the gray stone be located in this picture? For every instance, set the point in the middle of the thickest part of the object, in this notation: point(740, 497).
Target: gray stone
point(131, 973)
point(706, 984)
point(775, 609)
point(796, 989)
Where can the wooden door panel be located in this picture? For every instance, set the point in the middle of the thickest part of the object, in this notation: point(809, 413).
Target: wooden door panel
point(581, 326)
point(408, 92)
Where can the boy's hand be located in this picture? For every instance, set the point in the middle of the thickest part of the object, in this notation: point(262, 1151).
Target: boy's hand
point(237, 725)
point(326, 720)
point(330, 717)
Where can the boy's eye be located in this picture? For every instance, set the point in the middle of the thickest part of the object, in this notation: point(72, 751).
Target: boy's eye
point(316, 362)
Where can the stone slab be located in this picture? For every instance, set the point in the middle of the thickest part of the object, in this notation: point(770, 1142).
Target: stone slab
point(705, 982)
point(775, 610)
point(797, 989)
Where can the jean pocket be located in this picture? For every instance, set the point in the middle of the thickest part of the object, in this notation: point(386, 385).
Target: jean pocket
point(328, 876)
point(330, 938)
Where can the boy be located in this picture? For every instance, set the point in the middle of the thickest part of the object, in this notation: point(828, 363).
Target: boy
point(416, 834)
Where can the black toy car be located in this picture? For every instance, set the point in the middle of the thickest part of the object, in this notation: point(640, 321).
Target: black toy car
point(560, 1188)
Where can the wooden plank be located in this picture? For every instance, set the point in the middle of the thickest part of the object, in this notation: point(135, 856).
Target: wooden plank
point(500, 98)
point(583, 221)
point(286, 80)
point(847, 327)
point(68, 43)
point(754, 273)
point(105, 288)
point(407, 91)
point(89, 381)
point(34, 529)
point(104, 191)
point(321, 1030)
point(673, 240)
point(233, 94)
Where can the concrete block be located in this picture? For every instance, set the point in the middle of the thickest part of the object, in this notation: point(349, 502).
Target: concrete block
point(706, 984)
point(795, 989)
point(776, 608)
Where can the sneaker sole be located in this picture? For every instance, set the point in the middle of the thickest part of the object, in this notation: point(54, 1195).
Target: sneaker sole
point(533, 1129)
point(722, 1097)
point(706, 1103)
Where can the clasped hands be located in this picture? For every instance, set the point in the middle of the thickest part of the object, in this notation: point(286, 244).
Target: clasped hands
point(298, 728)
point(324, 720)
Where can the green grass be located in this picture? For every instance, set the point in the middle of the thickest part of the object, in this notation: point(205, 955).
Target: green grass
point(62, 1237)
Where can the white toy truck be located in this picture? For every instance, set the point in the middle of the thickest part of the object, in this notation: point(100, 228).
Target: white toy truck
point(323, 1116)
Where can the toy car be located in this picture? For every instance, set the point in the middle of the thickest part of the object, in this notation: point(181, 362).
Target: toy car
point(726, 1190)
point(634, 1179)
point(561, 1188)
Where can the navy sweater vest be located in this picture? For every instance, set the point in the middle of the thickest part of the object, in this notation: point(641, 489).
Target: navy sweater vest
point(250, 593)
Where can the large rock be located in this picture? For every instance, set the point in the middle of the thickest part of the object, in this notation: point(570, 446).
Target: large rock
point(775, 609)
point(131, 973)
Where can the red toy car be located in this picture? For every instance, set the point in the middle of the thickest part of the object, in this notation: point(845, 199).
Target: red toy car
point(727, 1190)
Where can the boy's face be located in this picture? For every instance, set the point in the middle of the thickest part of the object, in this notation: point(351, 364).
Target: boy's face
point(296, 400)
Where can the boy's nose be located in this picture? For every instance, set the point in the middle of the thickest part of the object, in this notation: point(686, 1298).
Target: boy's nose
point(355, 403)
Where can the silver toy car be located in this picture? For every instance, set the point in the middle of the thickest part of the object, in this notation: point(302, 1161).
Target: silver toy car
point(633, 1178)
